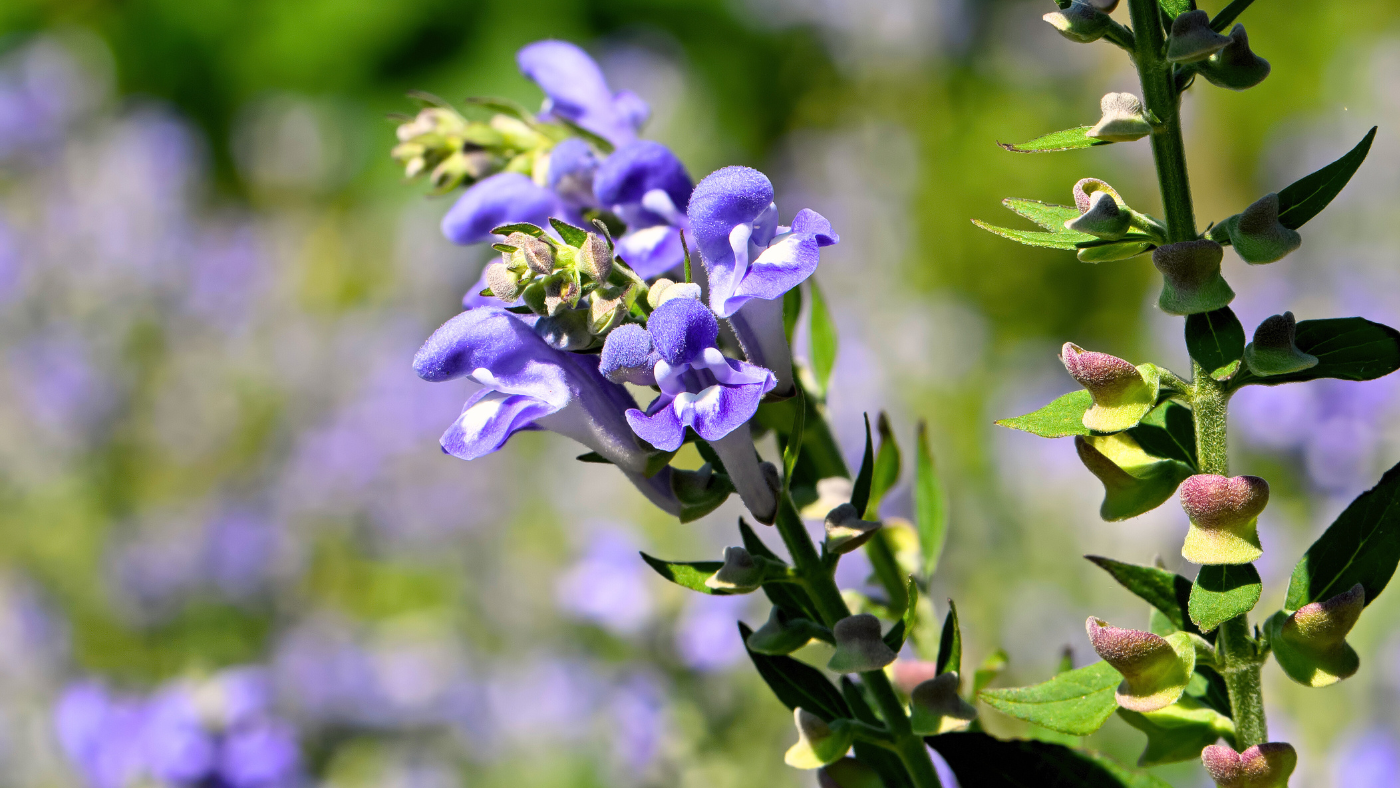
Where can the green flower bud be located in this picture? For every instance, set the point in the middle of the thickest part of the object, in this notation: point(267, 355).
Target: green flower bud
point(450, 172)
point(1192, 39)
point(595, 258)
point(1310, 645)
point(1267, 765)
point(936, 707)
point(432, 126)
point(505, 284)
point(1123, 119)
point(1236, 66)
point(782, 635)
point(532, 252)
point(1274, 350)
point(1081, 22)
point(849, 773)
point(1134, 481)
point(845, 531)
point(412, 155)
point(1122, 393)
point(657, 289)
point(740, 573)
point(1191, 280)
point(561, 291)
point(1257, 234)
point(859, 647)
point(1155, 669)
point(817, 742)
point(664, 290)
point(534, 297)
point(1224, 516)
point(518, 135)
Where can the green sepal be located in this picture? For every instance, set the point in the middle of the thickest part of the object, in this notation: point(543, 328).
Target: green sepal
point(1305, 198)
point(518, 227)
point(781, 635)
point(1167, 592)
point(818, 742)
point(1077, 703)
point(1180, 731)
point(1134, 482)
point(1346, 348)
point(1361, 546)
point(700, 491)
point(1310, 644)
point(1076, 138)
point(1222, 592)
point(1061, 418)
point(573, 236)
point(981, 761)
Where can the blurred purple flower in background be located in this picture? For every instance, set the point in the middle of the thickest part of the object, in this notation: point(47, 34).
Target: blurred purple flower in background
point(1370, 759)
point(707, 638)
point(608, 585)
point(576, 90)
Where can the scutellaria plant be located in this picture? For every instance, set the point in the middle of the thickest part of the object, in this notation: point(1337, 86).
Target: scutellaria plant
point(618, 271)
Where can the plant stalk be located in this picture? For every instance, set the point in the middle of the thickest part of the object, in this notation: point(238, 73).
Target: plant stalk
point(1160, 97)
point(827, 597)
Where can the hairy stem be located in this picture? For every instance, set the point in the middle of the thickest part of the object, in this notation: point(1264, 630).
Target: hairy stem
point(1209, 400)
point(826, 596)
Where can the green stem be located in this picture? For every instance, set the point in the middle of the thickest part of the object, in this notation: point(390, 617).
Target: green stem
point(1160, 97)
point(1239, 653)
point(1209, 409)
point(827, 597)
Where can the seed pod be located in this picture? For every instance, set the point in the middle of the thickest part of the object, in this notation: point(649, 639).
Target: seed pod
point(1104, 219)
point(845, 531)
point(505, 284)
point(1081, 22)
point(781, 635)
point(1123, 119)
point(1192, 39)
point(1122, 393)
point(817, 742)
point(1191, 280)
point(740, 573)
point(859, 648)
point(1155, 669)
point(1224, 516)
point(595, 258)
point(1267, 765)
point(936, 707)
point(534, 253)
point(1310, 645)
point(1236, 67)
point(1274, 350)
point(1257, 234)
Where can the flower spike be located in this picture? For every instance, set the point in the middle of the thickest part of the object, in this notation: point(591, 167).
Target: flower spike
point(1274, 350)
point(1123, 119)
point(936, 707)
point(859, 648)
point(1192, 39)
point(1310, 645)
point(1236, 67)
point(1257, 234)
point(1155, 669)
point(1224, 516)
point(1191, 280)
point(1267, 765)
point(1081, 22)
point(817, 742)
point(1123, 394)
point(740, 573)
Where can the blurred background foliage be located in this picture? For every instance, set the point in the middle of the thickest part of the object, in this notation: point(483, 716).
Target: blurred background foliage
point(214, 454)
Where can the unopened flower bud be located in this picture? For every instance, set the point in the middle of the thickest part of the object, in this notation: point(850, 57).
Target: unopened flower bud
point(595, 258)
point(1081, 22)
point(845, 531)
point(1310, 645)
point(629, 356)
point(1192, 38)
point(436, 123)
point(782, 635)
point(605, 311)
point(412, 155)
point(1257, 234)
point(1123, 119)
point(1191, 280)
point(1122, 393)
point(1236, 66)
point(936, 707)
point(1155, 669)
point(533, 295)
point(1224, 516)
point(817, 742)
point(1267, 765)
point(505, 284)
point(1105, 6)
point(849, 773)
point(1104, 219)
point(561, 291)
point(658, 288)
point(450, 172)
point(1274, 350)
point(534, 253)
point(1085, 190)
point(740, 573)
point(664, 290)
point(859, 647)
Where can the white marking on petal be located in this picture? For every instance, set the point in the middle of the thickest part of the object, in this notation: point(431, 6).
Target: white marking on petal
point(659, 202)
point(483, 376)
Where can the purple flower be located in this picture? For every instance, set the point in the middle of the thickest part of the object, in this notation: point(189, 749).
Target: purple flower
point(572, 167)
point(261, 755)
point(529, 385)
point(647, 187)
point(706, 636)
point(752, 261)
point(608, 585)
point(175, 745)
point(700, 389)
point(575, 90)
point(503, 198)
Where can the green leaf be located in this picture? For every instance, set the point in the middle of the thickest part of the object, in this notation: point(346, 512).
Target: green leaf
point(1361, 546)
point(860, 490)
point(573, 236)
point(1051, 217)
point(1059, 419)
point(988, 671)
point(700, 492)
point(820, 457)
point(1231, 12)
point(1305, 198)
point(1347, 348)
point(1221, 593)
point(1179, 732)
point(1214, 339)
point(950, 644)
point(1175, 8)
point(1167, 591)
point(902, 629)
point(930, 508)
point(888, 572)
point(1168, 432)
point(888, 467)
point(503, 106)
point(823, 339)
point(1069, 139)
point(1066, 240)
point(688, 574)
point(1077, 702)
point(793, 449)
point(981, 761)
point(518, 227)
point(791, 598)
point(797, 684)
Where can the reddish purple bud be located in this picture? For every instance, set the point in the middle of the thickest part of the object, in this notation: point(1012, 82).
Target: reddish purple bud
point(1191, 280)
point(1310, 645)
point(1224, 516)
point(1266, 765)
point(1155, 669)
point(1122, 393)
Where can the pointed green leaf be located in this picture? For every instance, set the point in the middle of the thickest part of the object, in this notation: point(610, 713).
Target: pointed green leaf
point(518, 227)
point(930, 509)
point(1347, 348)
point(1059, 419)
point(888, 467)
point(1076, 138)
point(1214, 339)
point(1221, 593)
point(860, 490)
point(688, 574)
point(797, 684)
point(1066, 241)
point(981, 761)
point(1227, 17)
point(823, 338)
point(1077, 702)
point(1167, 591)
point(1179, 732)
point(1175, 8)
point(888, 572)
point(903, 628)
point(573, 236)
point(1050, 217)
point(1168, 432)
point(1361, 546)
point(950, 644)
point(1305, 198)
